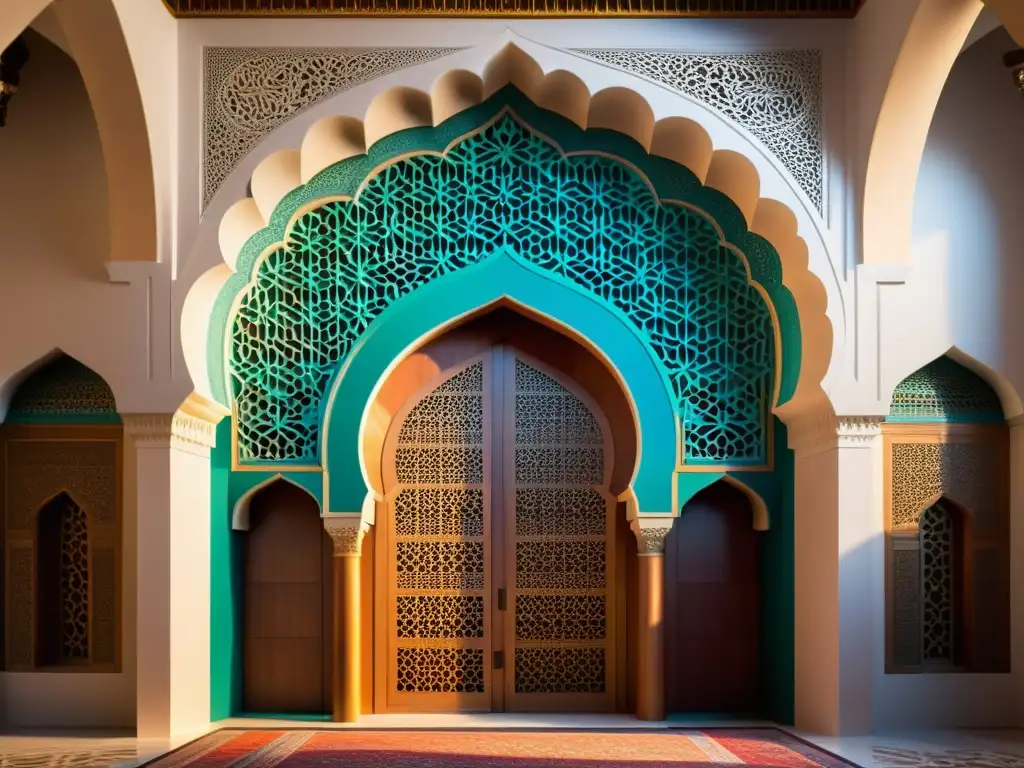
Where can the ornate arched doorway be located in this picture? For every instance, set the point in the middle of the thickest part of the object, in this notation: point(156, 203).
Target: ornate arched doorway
point(496, 544)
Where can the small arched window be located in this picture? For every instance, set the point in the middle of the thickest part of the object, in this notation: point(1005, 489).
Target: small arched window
point(62, 576)
point(943, 582)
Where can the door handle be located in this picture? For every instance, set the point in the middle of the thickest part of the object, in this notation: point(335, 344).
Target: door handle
point(502, 600)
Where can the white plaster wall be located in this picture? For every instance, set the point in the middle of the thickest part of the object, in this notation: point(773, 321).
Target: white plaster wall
point(53, 292)
point(968, 242)
point(963, 290)
point(54, 285)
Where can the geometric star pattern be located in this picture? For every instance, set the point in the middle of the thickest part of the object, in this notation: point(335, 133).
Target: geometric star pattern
point(587, 219)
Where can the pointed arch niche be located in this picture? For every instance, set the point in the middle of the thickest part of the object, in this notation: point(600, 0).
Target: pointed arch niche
point(947, 523)
point(62, 447)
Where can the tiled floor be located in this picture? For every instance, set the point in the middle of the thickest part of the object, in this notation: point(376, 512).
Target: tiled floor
point(945, 749)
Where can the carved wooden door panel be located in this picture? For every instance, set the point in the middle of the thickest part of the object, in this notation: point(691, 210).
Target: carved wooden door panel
point(437, 540)
point(498, 543)
point(558, 527)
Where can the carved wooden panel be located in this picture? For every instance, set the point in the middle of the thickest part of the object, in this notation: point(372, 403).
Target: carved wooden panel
point(37, 470)
point(20, 607)
point(104, 605)
point(947, 531)
point(437, 600)
point(561, 528)
point(906, 597)
point(74, 582)
point(967, 472)
point(938, 593)
point(77, 468)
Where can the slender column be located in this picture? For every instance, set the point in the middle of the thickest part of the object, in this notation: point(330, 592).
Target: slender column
point(346, 531)
point(650, 688)
point(172, 502)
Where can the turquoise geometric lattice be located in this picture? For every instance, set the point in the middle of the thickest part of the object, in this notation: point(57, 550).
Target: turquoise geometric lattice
point(434, 200)
point(63, 391)
point(945, 391)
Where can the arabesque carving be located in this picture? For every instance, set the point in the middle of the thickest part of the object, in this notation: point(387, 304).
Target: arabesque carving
point(969, 473)
point(248, 92)
point(588, 219)
point(38, 470)
point(775, 95)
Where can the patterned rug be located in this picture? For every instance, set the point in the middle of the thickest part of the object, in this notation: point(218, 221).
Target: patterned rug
point(761, 747)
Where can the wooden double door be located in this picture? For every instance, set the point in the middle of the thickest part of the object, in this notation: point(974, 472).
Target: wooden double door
point(495, 585)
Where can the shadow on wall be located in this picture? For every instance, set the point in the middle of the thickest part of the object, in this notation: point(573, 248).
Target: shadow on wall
point(967, 237)
point(55, 211)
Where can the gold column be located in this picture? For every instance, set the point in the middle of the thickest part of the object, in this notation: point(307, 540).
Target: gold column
point(346, 532)
point(650, 689)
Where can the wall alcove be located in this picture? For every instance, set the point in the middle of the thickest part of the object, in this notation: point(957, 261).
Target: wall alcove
point(62, 448)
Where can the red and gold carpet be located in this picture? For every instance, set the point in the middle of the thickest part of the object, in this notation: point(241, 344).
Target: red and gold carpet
point(761, 747)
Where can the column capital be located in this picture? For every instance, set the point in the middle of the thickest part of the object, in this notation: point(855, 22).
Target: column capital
point(192, 427)
point(858, 431)
point(170, 430)
point(651, 533)
point(346, 532)
point(822, 430)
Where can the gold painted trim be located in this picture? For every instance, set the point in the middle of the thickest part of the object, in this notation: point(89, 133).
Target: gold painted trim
point(931, 432)
point(578, 9)
point(373, 174)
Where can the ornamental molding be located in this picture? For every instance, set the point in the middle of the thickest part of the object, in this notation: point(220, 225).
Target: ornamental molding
point(170, 430)
point(250, 92)
point(858, 431)
point(776, 96)
point(651, 534)
point(346, 532)
point(821, 430)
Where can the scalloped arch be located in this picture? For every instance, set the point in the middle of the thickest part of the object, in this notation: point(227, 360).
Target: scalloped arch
point(679, 140)
point(562, 191)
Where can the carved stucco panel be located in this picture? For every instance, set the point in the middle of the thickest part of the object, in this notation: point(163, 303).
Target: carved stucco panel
point(775, 95)
point(249, 92)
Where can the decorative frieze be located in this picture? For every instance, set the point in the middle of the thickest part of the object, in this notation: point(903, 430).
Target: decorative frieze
point(170, 430)
point(821, 430)
point(858, 431)
point(249, 92)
